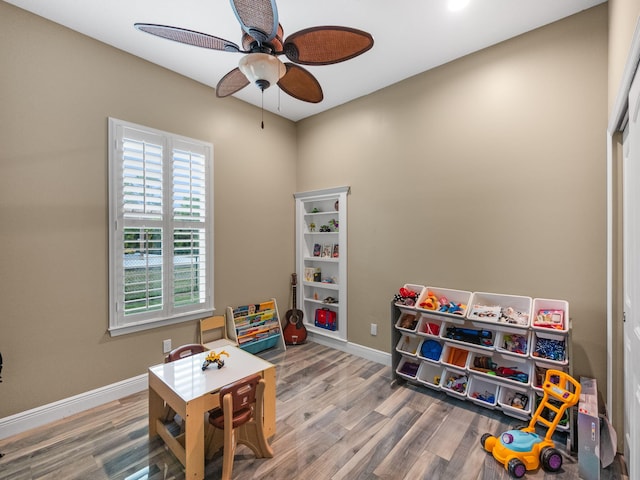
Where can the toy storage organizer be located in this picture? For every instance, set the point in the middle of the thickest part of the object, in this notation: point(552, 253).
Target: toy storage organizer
point(255, 327)
point(490, 349)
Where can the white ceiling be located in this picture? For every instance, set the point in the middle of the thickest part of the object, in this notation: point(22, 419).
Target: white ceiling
point(411, 36)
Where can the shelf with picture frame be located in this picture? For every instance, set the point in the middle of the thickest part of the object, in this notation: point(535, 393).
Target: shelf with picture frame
point(324, 252)
point(321, 257)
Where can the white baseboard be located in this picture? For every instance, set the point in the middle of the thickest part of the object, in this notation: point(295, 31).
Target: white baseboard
point(36, 417)
point(39, 416)
point(353, 348)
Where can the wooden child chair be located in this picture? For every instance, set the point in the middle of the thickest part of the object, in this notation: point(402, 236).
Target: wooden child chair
point(176, 354)
point(238, 420)
point(213, 332)
point(184, 351)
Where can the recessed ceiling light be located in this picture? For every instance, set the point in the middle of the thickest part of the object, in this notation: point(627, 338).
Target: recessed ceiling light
point(456, 5)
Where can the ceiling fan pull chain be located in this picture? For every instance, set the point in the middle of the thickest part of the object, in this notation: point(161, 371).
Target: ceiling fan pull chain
point(262, 111)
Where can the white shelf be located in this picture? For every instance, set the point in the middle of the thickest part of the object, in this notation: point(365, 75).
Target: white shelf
point(332, 206)
point(320, 302)
point(328, 286)
point(322, 259)
point(315, 214)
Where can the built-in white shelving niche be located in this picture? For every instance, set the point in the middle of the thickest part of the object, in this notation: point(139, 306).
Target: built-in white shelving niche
point(321, 258)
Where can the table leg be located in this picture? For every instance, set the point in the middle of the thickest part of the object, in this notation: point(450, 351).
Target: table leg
point(194, 440)
point(156, 409)
point(269, 376)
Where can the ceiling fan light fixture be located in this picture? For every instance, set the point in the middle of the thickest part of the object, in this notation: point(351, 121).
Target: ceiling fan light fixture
point(262, 69)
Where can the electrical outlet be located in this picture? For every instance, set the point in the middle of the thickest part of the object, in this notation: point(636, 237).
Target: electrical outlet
point(166, 346)
point(374, 329)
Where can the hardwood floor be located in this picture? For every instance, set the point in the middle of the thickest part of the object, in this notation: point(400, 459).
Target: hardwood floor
point(338, 417)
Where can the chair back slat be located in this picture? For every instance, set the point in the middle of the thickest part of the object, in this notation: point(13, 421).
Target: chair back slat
point(184, 351)
point(243, 392)
point(213, 328)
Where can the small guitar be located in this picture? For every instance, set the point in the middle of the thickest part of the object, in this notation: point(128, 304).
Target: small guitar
point(294, 332)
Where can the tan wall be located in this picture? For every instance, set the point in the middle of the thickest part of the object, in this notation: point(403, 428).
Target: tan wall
point(57, 89)
point(623, 17)
point(486, 174)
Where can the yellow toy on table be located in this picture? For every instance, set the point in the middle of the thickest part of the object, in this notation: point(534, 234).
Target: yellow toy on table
point(214, 357)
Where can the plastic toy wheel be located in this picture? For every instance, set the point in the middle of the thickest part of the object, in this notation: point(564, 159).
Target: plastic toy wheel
point(488, 442)
point(516, 468)
point(551, 459)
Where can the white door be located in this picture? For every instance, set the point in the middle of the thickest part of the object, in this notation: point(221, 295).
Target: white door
point(631, 331)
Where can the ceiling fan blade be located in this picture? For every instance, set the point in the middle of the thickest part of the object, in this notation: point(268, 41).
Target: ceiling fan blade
point(300, 84)
point(326, 45)
point(258, 18)
point(231, 83)
point(189, 37)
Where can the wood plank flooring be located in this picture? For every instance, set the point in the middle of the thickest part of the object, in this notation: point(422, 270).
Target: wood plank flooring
point(338, 417)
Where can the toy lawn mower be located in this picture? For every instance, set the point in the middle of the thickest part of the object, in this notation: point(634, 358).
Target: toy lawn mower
point(522, 450)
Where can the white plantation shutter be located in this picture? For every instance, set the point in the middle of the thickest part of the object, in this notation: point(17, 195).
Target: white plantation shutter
point(189, 215)
point(161, 242)
point(141, 177)
point(189, 186)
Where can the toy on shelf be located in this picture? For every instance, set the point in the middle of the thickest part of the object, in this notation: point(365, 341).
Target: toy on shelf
point(499, 314)
point(484, 397)
point(512, 316)
point(515, 343)
point(517, 400)
point(488, 312)
point(522, 450)
point(408, 321)
point(550, 349)
point(549, 319)
point(409, 368)
point(431, 349)
point(406, 296)
point(431, 302)
point(485, 364)
point(470, 335)
point(456, 383)
point(442, 304)
point(456, 356)
point(431, 328)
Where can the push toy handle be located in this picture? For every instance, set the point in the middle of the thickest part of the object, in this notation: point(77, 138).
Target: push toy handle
point(556, 389)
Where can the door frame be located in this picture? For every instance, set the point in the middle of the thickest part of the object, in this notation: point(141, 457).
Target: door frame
point(615, 126)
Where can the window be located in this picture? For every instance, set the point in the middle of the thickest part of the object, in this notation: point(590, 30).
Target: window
point(161, 228)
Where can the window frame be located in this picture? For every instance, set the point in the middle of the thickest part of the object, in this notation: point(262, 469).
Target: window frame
point(119, 323)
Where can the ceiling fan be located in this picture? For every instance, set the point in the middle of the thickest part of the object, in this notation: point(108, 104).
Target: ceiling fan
point(262, 42)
